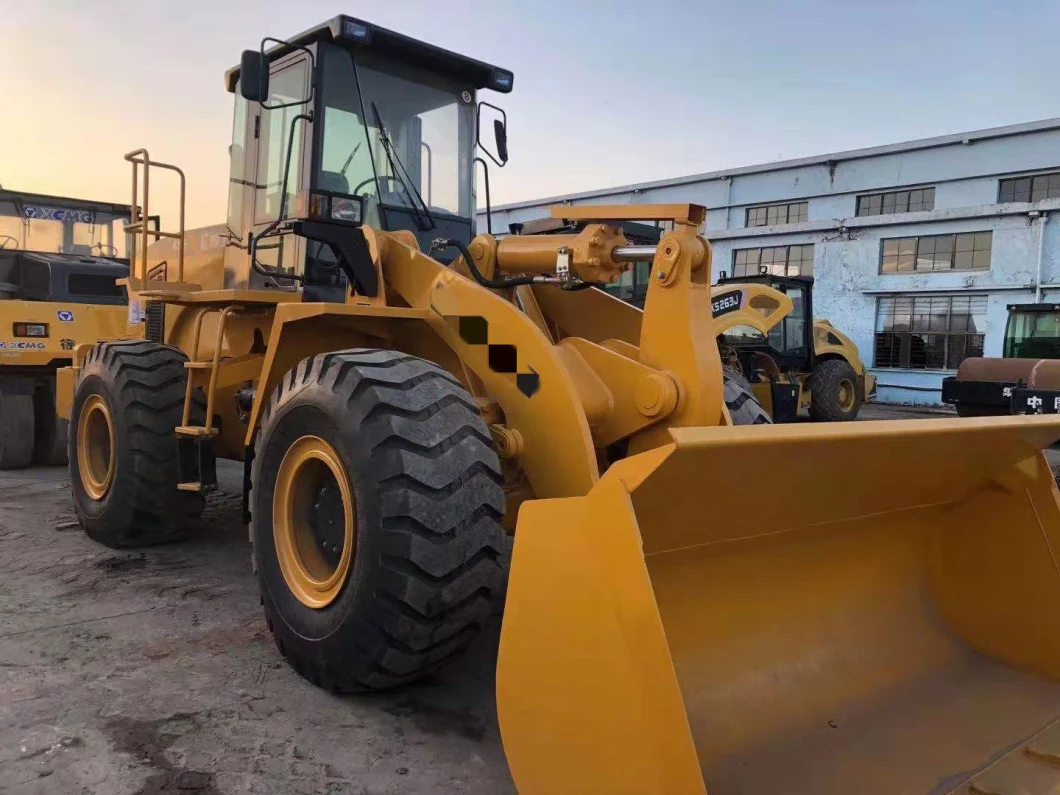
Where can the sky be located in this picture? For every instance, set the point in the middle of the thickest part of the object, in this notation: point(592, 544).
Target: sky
point(606, 93)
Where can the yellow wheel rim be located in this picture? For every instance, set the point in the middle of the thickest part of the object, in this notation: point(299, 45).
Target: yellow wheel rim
point(846, 395)
point(313, 521)
point(96, 447)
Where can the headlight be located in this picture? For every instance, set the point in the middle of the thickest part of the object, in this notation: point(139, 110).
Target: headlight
point(355, 29)
point(348, 210)
point(502, 80)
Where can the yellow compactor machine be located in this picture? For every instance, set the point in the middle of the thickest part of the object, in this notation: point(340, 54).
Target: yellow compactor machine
point(799, 361)
point(876, 615)
point(60, 258)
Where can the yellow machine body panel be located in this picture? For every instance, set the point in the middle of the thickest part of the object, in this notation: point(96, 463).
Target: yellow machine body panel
point(885, 621)
point(68, 324)
point(204, 249)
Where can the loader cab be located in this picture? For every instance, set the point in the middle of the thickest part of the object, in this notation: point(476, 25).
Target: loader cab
point(343, 125)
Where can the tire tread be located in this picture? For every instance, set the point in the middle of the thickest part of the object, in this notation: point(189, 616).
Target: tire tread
point(743, 406)
point(824, 391)
point(150, 380)
point(438, 571)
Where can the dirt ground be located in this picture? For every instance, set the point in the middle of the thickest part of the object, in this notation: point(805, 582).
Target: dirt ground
point(152, 672)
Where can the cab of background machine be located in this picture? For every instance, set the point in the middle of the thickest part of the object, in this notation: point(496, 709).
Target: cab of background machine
point(59, 248)
point(349, 124)
point(1032, 332)
point(63, 225)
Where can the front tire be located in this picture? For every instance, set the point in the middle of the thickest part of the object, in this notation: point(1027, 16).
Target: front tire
point(834, 392)
point(123, 451)
point(740, 399)
point(376, 519)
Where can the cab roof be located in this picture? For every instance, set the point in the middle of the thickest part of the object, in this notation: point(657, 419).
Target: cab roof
point(64, 201)
point(358, 34)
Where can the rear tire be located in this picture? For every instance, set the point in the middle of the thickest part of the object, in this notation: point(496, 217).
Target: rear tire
point(123, 454)
point(50, 430)
point(16, 423)
point(834, 393)
point(426, 566)
point(743, 406)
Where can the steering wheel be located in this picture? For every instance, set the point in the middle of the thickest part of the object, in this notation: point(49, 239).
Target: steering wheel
point(101, 246)
point(382, 178)
point(5, 238)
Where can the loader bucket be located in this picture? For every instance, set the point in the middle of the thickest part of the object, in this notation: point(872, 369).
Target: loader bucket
point(793, 609)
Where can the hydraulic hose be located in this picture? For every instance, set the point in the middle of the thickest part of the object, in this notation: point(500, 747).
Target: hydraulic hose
point(503, 283)
point(476, 274)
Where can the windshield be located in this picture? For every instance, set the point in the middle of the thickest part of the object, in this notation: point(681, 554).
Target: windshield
point(426, 122)
point(1033, 335)
point(54, 226)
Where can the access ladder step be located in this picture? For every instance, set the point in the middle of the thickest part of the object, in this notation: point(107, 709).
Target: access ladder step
point(194, 431)
point(196, 463)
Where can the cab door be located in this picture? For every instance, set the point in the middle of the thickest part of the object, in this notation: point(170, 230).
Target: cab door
point(269, 129)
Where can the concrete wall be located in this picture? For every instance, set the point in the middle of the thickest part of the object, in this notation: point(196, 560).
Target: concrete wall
point(964, 169)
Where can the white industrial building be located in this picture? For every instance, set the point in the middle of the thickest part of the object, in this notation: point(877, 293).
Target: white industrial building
point(917, 248)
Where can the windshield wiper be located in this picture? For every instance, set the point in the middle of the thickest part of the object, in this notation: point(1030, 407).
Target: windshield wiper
point(422, 214)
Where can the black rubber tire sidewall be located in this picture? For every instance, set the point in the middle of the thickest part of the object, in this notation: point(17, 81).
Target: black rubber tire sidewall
point(740, 400)
point(293, 421)
point(16, 424)
point(427, 569)
point(143, 505)
point(117, 505)
point(824, 391)
point(51, 432)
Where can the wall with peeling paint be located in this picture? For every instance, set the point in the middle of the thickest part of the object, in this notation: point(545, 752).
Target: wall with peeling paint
point(963, 168)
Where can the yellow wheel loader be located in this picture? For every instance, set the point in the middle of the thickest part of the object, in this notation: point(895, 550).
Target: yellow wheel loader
point(881, 621)
point(799, 362)
point(59, 260)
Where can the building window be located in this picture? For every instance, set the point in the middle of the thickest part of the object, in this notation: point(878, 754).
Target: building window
point(931, 332)
point(777, 260)
point(898, 201)
point(1029, 189)
point(966, 251)
point(775, 214)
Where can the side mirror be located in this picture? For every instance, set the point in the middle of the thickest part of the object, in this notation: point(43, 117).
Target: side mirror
point(254, 76)
point(500, 132)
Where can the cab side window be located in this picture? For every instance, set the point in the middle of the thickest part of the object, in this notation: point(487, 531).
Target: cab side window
point(286, 85)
